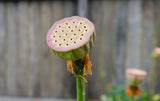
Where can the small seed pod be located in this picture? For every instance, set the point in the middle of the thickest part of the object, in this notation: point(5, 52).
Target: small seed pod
point(71, 38)
point(156, 53)
point(135, 76)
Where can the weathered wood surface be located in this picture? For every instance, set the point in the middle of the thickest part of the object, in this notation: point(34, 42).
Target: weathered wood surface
point(134, 34)
point(106, 43)
point(147, 43)
point(22, 81)
point(120, 37)
point(127, 31)
point(13, 49)
point(2, 49)
point(157, 38)
point(93, 86)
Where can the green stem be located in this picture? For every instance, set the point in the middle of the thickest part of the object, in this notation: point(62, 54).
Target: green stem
point(80, 84)
point(132, 99)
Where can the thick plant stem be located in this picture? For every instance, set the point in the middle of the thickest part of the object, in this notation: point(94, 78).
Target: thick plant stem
point(80, 83)
point(80, 89)
point(131, 98)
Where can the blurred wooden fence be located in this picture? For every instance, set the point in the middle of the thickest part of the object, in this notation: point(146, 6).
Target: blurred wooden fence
point(127, 31)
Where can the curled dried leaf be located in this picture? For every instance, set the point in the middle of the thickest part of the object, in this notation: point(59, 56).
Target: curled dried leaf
point(133, 91)
point(87, 66)
point(86, 69)
point(70, 65)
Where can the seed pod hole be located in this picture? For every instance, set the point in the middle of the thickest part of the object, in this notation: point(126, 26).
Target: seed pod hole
point(54, 36)
point(79, 30)
point(74, 42)
point(80, 38)
point(74, 34)
point(59, 36)
point(67, 44)
point(55, 40)
point(64, 39)
point(75, 26)
point(71, 39)
point(62, 30)
point(59, 26)
point(81, 34)
point(69, 27)
point(71, 30)
point(66, 34)
point(84, 26)
point(81, 23)
point(60, 44)
point(73, 21)
point(66, 23)
point(55, 31)
point(86, 30)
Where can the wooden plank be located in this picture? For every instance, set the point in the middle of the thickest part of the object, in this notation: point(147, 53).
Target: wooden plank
point(83, 8)
point(22, 69)
point(44, 50)
point(69, 81)
point(2, 49)
point(108, 44)
point(34, 46)
point(13, 52)
point(106, 60)
point(147, 44)
point(59, 67)
point(93, 86)
point(121, 33)
point(69, 8)
point(134, 34)
point(157, 36)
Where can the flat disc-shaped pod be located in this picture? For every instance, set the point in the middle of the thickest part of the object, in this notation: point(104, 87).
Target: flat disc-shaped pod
point(71, 38)
point(135, 76)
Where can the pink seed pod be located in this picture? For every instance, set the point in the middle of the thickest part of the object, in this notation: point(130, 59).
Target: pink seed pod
point(156, 52)
point(135, 76)
point(71, 38)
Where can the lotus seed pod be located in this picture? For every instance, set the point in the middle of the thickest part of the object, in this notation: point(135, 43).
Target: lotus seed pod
point(71, 38)
point(156, 52)
point(135, 76)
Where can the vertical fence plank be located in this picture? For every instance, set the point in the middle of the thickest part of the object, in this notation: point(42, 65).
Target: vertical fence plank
point(157, 68)
point(44, 51)
point(22, 70)
point(69, 81)
point(34, 46)
point(93, 90)
point(12, 31)
point(58, 64)
point(69, 8)
point(134, 34)
point(147, 43)
point(2, 49)
point(121, 32)
point(107, 43)
point(83, 8)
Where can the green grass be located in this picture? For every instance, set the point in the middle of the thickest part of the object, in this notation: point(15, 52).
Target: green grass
point(117, 93)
